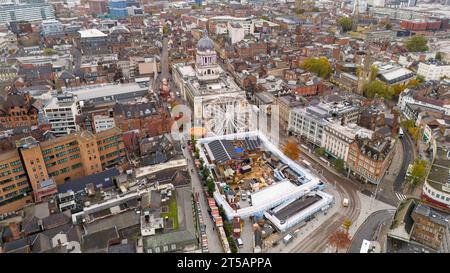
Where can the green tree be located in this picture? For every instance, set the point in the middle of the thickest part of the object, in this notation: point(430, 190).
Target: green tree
point(321, 66)
point(347, 224)
point(232, 244)
point(408, 123)
point(320, 151)
point(165, 29)
point(49, 51)
point(339, 165)
point(398, 88)
point(373, 72)
point(378, 88)
point(413, 83)
point(417, 43)
point(420, 78)
point(439, 56)
point(205, 173)
point(211, 187)
point(418, 172)
point(346, 23)
point(388, 26)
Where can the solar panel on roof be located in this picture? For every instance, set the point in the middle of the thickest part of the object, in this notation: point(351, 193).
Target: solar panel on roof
point(219, 152)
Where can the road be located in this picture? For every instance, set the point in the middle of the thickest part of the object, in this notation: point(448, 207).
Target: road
point(165, 60)
point(369, 229)
point(346, 188)
point(214, 244)
point(317, 240)
point(408, 151)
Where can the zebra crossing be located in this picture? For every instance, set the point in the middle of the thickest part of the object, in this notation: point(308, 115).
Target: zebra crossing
point(400, 196)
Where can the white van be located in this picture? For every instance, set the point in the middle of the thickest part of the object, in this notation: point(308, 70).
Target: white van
point(243, 196)
point(345, 202)
point(239, 242)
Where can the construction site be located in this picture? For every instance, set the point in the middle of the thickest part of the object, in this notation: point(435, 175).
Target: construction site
point(254, 179)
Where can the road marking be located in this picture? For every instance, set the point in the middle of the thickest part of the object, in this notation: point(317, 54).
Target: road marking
point(400, 196)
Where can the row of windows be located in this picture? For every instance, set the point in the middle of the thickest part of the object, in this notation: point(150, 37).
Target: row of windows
point(6, 165)
point(108, 139)
point(47, 158)
point(75, 156)
point(75, 166)
point(62, 160)
point(107, 146)
point(5, 173)
point(439, 196)
point(61, 154)
point(10, 187)
point(59, 148)
point(15, 163)
point(51, 164)
point(61, 171)
point(76, 149)
point(16, 170)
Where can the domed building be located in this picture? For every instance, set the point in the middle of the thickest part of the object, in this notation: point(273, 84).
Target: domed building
point(206, 59)
point(219, 104)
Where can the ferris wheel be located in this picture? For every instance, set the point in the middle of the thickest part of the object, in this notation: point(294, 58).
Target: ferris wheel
point(225, 117)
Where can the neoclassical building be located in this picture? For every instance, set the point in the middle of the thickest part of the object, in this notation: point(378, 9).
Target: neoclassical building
point(218, 103)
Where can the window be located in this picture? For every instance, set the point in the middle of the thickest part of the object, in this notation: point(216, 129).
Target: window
point(22, 183)
point(16, 170)
point(75, 156)
point(75, 166)
point(8, 188)
point(14, 163)
point(47, 151)
point(59, 148)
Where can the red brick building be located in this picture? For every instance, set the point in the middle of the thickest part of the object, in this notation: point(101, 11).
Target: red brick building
point(369, 159)
point(250, 49)
point(18, 110)
point(98, 6)
point(418, 25)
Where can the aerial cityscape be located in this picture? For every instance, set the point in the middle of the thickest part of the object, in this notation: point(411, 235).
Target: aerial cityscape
point(215, 126)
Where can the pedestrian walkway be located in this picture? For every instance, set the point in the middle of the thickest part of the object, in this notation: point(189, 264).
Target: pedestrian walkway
point(400, 196)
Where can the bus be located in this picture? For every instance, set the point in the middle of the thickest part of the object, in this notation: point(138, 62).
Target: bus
point(400, 132)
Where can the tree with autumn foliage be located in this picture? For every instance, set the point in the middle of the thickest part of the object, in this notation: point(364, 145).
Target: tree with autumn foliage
point(340, 239)
point(291, 150)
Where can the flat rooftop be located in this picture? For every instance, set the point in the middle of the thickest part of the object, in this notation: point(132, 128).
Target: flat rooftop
point(278, 189)
point(91, 33)
point(396, 73)
point(297, 206)
point(104, 90)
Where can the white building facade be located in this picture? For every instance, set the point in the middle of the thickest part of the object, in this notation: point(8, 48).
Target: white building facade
point(51, 27)
point(433, 71)
point(26, 12)
point(61, 112)
point(103, 123)
point(219, 105)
